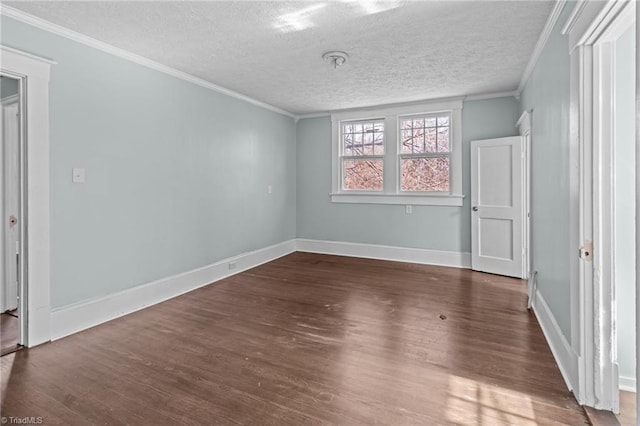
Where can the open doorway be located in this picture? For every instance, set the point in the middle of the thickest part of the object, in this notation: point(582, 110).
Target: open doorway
point(33, 73)
point(10, 215)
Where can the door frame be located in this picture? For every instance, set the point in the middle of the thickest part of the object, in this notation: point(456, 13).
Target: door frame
point(524, 129)
point(35, 307)
point(591, 28)
point(637, 210)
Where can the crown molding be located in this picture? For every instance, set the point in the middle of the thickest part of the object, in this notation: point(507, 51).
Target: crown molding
point(477, 97)
point(542, 41)
point(313, 115)
point(42, 24)
point(493, 95)
point(573, 18)
point(27, 55)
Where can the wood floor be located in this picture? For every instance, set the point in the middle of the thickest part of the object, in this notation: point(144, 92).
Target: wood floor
point(627, 415)
point(306, 340)
point(8, 332)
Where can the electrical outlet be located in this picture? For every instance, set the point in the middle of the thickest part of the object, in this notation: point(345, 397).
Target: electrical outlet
point(232, 265)
point(408, 209)
point(269, 189)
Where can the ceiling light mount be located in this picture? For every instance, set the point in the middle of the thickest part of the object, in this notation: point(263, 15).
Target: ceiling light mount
point(336, 58)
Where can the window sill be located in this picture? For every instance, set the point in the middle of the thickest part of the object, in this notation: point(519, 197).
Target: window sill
point(406, 199)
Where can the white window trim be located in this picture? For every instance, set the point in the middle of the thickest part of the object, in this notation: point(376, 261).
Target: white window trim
point(391, 193)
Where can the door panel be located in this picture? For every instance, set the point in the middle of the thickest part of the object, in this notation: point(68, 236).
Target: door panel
point(496, 199)
point(11, 203)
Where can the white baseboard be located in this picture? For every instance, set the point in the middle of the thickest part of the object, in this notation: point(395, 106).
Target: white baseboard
point(565, 356)
point(627, 384)
point(86, 314)
point(374, 251)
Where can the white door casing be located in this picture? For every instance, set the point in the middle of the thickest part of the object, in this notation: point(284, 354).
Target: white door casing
point(496, 200)
point(2, 229)
point(11, 202)
point(591, 29)
point(35, 304)
point(524, 128)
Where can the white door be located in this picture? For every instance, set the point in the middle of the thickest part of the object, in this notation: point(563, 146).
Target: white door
point(496, 204)
point(10, 206)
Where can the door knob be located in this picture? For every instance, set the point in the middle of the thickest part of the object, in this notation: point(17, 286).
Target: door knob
point(474, 208)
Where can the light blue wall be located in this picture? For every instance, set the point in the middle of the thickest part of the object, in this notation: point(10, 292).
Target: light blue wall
point(428, 227)
point(8, 87)
point(625, 208)
point(176, 175)
point(547, 94)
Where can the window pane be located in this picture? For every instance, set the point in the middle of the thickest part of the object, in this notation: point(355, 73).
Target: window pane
point(431, 139)
point(405, 124)
point(365, 175)
point(378, 144)
point(363, 138)
point(368, 143)
point(418, 140)
point(347, 143)
point(443, 139)
point(443, 121)
point(430, 122)
point(425, 174)
point(406, 136)
point(357, 144)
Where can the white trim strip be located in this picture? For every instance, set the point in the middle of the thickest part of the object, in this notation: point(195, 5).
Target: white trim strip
point(313, 115)
point(393, 253)
point(25, 54)
point(627, 384)
point(565, 356)
point(542, 41)
point(409, 108)
point(121, 53)
point(86, 314)
point(525, 118)
point(493, 95)
point(415, 200)
point(573, 18)
point(474, 97)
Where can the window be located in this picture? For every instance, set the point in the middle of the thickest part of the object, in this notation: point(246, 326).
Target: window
point(424, 153)
point(362, 156)
point(401, 155)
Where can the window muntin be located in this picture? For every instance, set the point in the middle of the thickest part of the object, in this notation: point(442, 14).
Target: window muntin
point(424, 153)
point(362, 155)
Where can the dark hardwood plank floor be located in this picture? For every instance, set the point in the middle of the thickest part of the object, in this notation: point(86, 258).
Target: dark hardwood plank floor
point(306, 340)
point(8, 332)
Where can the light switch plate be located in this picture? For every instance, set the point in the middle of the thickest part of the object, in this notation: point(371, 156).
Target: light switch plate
point(78, 175)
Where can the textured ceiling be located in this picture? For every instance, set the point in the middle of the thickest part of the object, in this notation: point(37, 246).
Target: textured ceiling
point(271, 51)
